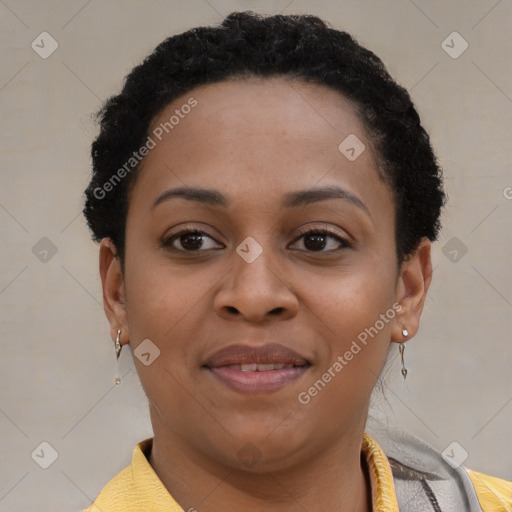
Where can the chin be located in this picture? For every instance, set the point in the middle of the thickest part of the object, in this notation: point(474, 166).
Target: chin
point(261, 453)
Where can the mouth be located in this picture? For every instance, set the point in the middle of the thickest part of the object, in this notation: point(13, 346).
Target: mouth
point(249, 369)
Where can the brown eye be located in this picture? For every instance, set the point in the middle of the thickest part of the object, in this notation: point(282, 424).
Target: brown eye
point(190, 240)
point(317, 240)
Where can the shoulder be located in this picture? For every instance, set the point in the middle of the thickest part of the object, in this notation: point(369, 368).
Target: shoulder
point(119, 488)
point(135, 489)
point(421, 473)
point(494, 494)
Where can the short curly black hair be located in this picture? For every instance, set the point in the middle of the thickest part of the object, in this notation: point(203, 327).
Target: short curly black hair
point(301, 47)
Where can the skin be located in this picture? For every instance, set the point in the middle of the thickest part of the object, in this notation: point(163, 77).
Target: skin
point(255, 140)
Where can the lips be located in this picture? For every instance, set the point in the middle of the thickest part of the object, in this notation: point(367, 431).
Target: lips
point(255, 367)
point(246, 368)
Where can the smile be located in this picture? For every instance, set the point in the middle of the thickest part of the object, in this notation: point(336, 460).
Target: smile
point(250, 369)
point(255, 367)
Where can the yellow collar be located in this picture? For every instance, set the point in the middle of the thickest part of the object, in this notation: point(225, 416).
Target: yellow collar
point(381, 477)
point(138, 487)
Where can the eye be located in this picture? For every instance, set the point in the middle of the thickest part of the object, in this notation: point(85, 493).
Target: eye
point(190, 240)
point(317, 240)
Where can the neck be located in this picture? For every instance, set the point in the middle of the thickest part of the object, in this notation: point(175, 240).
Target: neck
point(336, 479)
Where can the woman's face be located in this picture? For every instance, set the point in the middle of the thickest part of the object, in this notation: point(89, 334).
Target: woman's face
point(216, 304)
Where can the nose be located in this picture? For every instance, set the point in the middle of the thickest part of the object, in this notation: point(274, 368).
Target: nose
point(254, 292)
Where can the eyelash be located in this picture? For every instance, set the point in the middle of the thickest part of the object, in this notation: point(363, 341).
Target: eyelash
point(167, 243)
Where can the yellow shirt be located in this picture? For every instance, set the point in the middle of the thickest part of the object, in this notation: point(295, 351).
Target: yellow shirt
point(138, 489)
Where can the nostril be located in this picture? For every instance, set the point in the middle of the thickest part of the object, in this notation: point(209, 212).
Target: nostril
point(232, 309)
point(276, 311)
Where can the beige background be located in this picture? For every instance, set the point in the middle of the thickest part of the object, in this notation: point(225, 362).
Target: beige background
point(57, 360)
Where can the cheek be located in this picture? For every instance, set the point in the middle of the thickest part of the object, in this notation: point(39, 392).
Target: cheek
point(353, 298)
point(162, 298)
point(354, 314)
point(166, 306)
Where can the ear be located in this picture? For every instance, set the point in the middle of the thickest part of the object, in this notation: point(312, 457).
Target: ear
point(413, 283)
point(112, 282)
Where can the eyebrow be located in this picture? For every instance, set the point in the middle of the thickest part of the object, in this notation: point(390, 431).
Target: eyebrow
point(314, 195)
point(291, 200)
point(200, 195)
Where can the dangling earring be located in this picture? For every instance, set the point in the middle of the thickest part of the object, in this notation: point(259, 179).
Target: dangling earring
point(118, 347)
point(401, 349)
point(118, 344)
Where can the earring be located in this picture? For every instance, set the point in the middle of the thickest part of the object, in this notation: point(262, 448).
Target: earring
point(401, 349)
point(118, 347)
point(118, 344)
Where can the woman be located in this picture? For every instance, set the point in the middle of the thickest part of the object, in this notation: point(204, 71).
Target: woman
point(266, 198)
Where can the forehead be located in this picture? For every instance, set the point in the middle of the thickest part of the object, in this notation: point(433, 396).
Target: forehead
point(277, 109)
point(260, 135)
